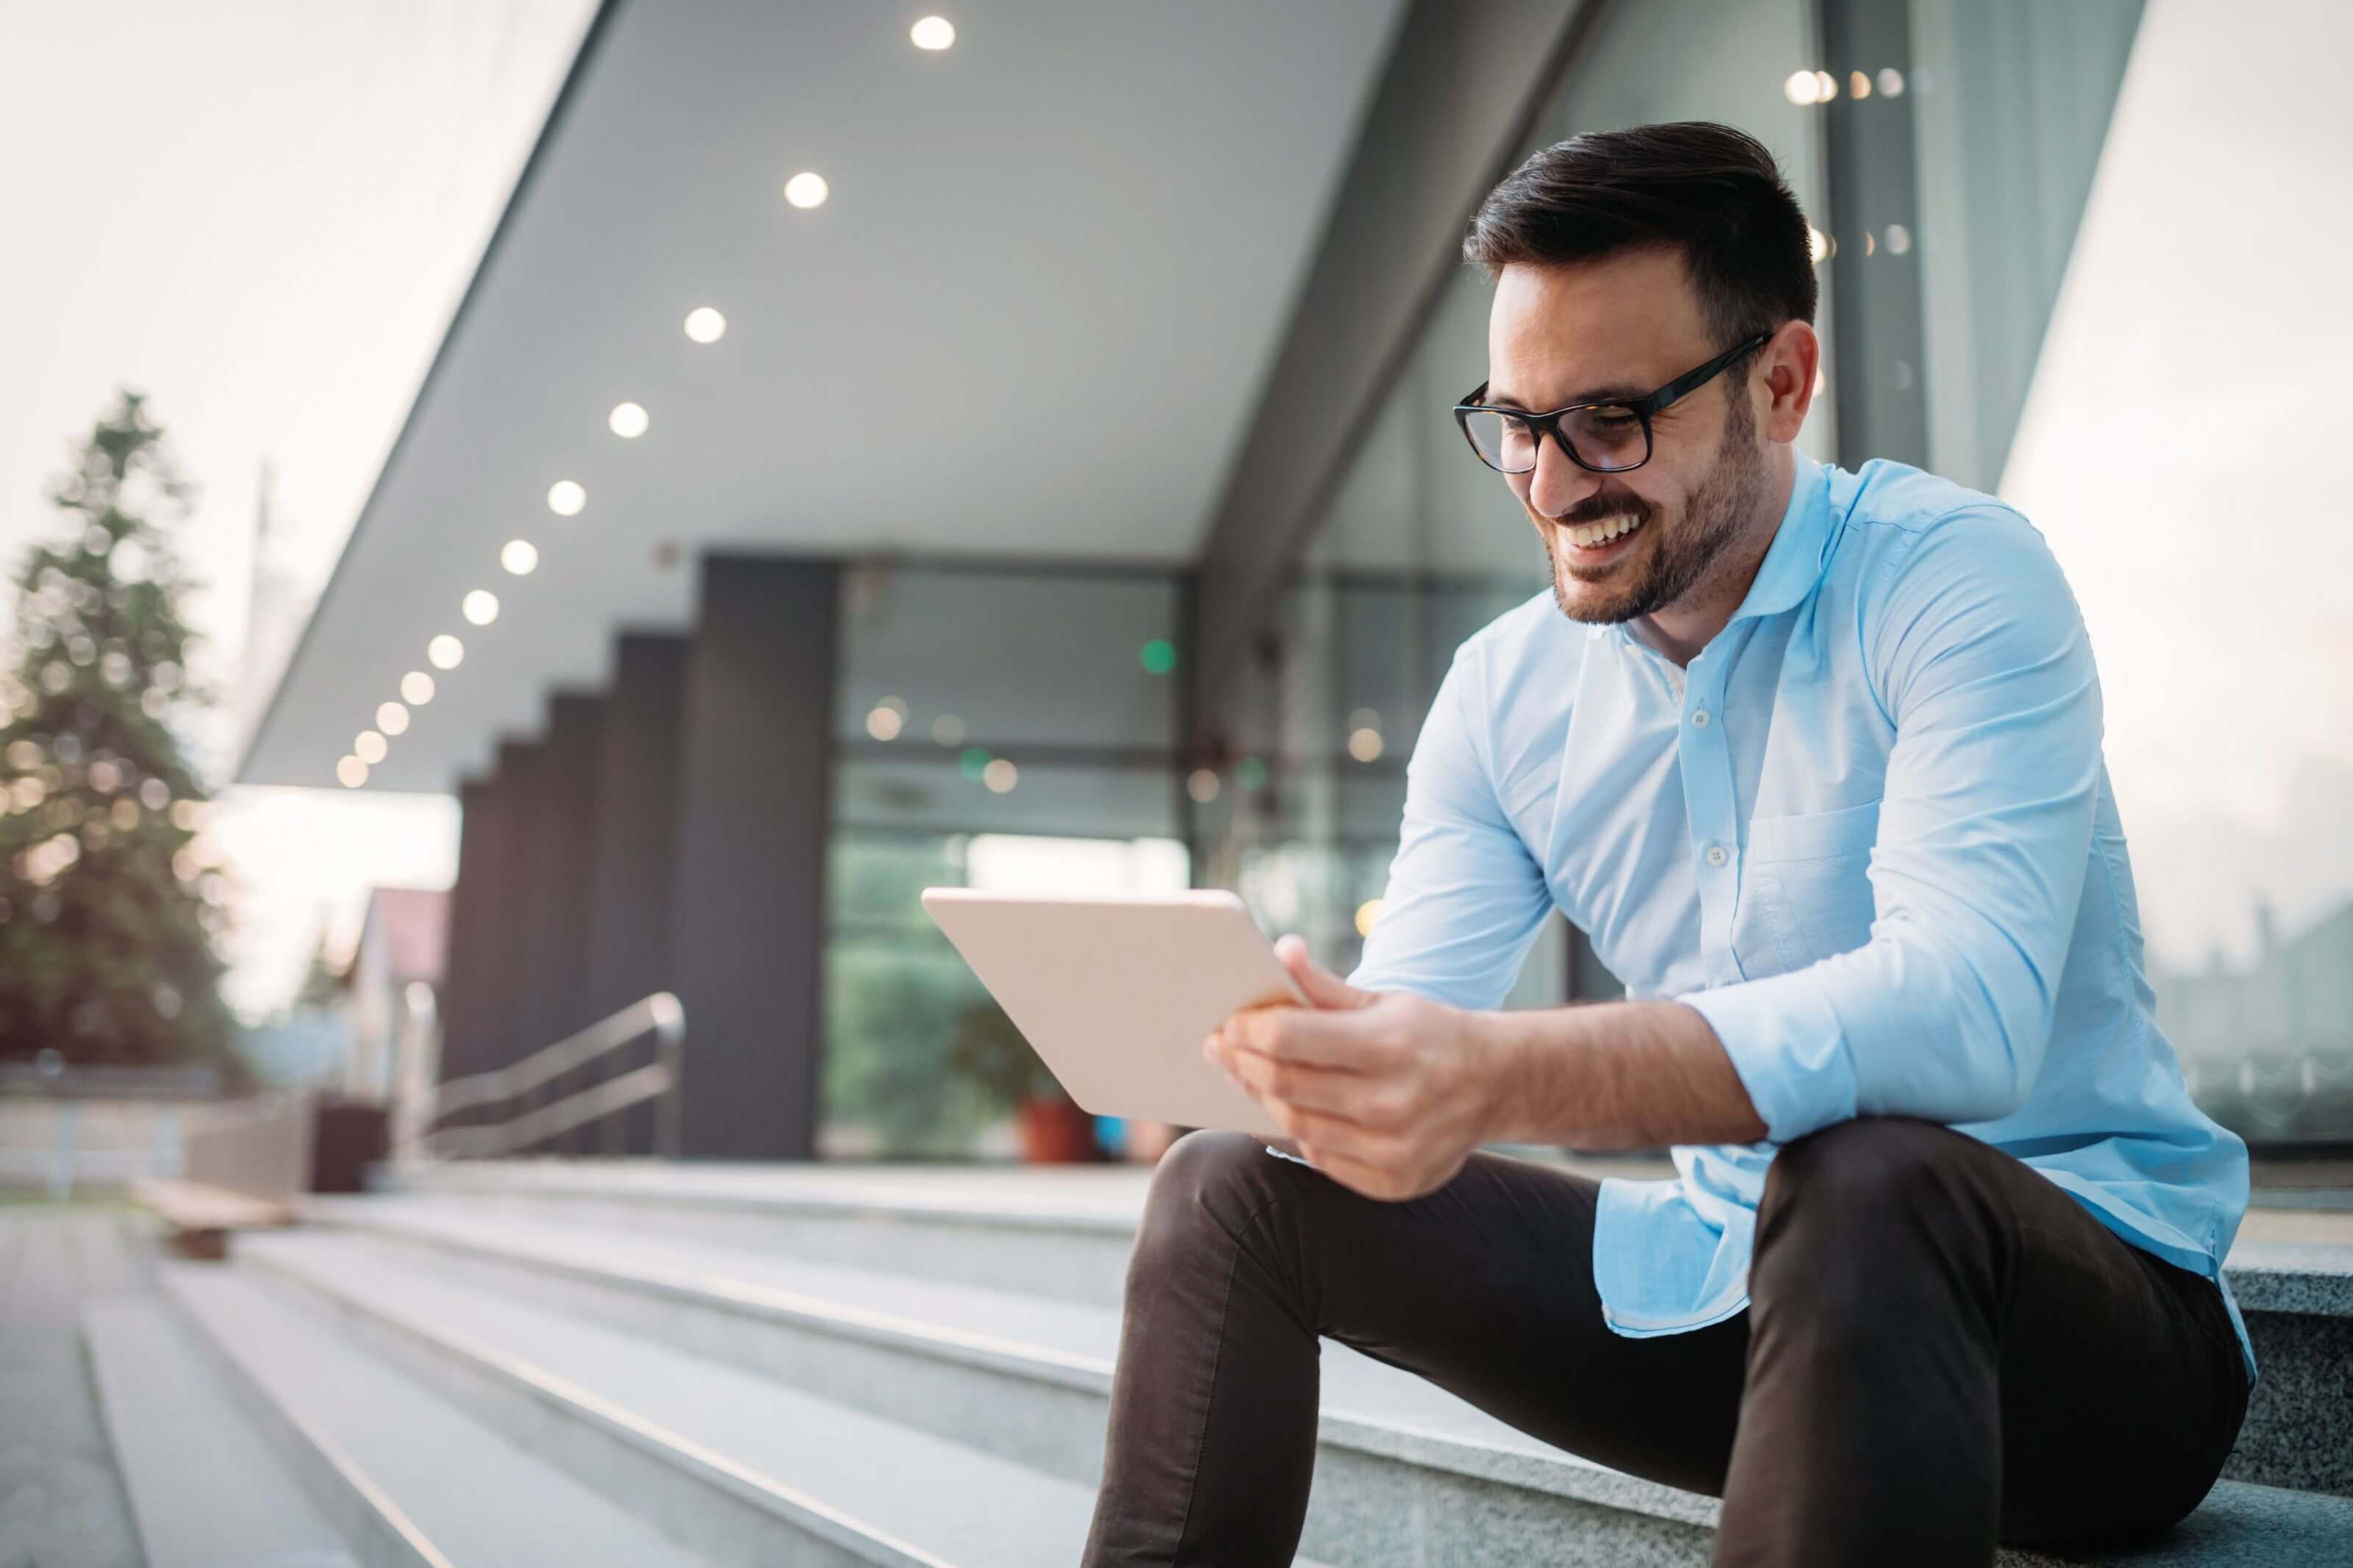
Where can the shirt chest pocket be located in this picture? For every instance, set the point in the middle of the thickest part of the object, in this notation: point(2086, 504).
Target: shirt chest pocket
point(1805, 888)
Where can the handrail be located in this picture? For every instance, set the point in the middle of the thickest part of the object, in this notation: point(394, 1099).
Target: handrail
point(659, 1014)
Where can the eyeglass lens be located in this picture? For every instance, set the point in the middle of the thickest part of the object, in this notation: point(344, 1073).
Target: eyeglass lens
point(1606, 436)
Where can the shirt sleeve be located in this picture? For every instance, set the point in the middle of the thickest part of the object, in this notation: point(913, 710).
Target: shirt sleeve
point(1979, 658)
point(1464, 897)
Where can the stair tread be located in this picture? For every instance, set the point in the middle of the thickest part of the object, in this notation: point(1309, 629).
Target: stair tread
point(1355, 1386)
point(203, 1485)
point(1428, 1423)
point(437, 1464)
point(979, 1509)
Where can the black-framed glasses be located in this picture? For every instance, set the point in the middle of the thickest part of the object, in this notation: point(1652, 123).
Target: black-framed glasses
point(1605, 438)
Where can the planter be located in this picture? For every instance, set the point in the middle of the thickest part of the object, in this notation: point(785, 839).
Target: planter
point(1055, 1131)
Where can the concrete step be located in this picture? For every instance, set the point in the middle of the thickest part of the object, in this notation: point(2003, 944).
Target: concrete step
point(743, 1467)
point(1066, 1236)
point(1066, 1233)
point(402, 1475)
point(205, 1490)
point(1406, 1473)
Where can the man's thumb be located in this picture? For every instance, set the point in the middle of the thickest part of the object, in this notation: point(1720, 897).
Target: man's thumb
point(1323, 988)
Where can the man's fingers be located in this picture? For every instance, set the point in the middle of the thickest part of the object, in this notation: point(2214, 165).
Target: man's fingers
point(1340, 1095)
point(1338, 1041)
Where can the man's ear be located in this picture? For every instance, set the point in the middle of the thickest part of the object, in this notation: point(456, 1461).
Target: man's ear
point(1788, 368)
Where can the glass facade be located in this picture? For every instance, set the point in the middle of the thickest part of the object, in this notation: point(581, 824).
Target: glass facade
point(1985, 174)
point(997, 727)
point(2180, 440)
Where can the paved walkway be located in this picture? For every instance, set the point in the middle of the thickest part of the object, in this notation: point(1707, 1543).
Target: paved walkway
point(61, 1505)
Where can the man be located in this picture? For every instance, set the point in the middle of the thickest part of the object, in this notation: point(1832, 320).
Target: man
point(1815, 758)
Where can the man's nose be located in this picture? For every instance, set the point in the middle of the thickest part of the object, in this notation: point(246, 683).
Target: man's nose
point(1558, 484)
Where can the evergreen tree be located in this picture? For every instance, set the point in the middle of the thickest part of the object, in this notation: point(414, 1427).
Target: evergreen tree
point(323, 984)
point(106, 917)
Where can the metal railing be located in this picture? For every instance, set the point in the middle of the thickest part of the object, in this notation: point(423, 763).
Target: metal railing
point(661, 1079)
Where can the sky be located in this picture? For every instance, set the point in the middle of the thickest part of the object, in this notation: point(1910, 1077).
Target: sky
point(261, 214)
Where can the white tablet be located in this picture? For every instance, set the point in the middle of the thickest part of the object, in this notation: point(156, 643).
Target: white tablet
point(1117, 993)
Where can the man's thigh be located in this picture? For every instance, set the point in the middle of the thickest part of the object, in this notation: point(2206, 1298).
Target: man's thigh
point(1485, 1288)
point(2122, 1382)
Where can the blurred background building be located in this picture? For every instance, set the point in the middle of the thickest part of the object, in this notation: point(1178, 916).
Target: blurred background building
point(857, 467)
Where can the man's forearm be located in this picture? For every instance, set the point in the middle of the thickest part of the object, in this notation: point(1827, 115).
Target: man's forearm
point(1616, 1075)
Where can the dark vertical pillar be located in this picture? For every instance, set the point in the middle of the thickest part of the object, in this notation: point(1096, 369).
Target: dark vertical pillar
point(456, 1010)
point(1879, 375)
point(566, 802)
point(754, 814)
point(635, 850)
point(515, 949)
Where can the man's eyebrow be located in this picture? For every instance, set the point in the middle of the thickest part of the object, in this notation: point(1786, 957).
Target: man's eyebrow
point(1598, 395)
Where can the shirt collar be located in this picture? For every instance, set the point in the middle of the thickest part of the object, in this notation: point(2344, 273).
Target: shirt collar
point(1793, 561)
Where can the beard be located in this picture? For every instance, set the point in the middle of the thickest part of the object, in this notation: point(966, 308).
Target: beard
point(1679, 559)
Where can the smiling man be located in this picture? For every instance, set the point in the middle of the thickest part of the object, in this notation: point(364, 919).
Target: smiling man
point(1814, 755)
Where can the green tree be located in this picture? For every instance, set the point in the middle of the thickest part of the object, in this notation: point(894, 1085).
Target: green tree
point(323, 983)
point(107, 919)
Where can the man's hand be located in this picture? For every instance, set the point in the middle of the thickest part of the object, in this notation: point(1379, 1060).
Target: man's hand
point(1384, 1092)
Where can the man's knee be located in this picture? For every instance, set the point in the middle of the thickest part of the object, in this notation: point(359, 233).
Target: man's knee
point(1846, 1185)
point(1206, 1188)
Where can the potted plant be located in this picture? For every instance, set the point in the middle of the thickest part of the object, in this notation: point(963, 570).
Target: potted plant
point(990, 1052)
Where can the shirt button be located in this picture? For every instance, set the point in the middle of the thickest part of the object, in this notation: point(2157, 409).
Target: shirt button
point(1715, 856)
point(1699, 718)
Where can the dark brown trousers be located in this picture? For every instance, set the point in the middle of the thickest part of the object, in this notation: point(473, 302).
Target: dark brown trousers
point(1942, 1349)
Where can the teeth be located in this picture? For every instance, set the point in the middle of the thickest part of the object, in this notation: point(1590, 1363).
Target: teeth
point(1589, 535)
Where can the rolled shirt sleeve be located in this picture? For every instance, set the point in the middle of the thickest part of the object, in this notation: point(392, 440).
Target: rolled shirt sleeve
point(1981, 661)
point(1464, 896)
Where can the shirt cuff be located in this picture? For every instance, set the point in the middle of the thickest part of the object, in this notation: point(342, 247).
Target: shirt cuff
point(1789, 1048)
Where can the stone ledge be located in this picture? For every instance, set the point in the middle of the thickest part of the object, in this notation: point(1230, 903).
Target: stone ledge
point(2309, 1277)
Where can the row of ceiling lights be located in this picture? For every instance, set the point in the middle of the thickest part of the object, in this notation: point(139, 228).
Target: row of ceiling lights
point(568, 498)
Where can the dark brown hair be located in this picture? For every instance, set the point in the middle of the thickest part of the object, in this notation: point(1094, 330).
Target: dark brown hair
point(1707, 190)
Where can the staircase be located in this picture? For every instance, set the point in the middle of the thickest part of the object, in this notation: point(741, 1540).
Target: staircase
point(516, 1363)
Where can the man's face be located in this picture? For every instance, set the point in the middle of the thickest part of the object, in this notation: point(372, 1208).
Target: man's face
point(1623, 327)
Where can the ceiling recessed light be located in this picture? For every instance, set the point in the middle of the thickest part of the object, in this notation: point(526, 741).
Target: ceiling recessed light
point(705, 325)
point(352, 772)
point(806, 190)
point(391, 718)
point(480, 606)
point(933, 33)
point(417, 688)
point(445, 651)
point(565, 499)
point(520, 556)
point(369, 747)
point(629, 420)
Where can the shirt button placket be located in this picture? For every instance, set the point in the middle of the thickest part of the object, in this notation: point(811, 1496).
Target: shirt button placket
point(1707, 766)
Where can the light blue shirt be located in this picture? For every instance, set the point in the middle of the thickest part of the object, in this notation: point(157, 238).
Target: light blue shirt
point(1868, 834)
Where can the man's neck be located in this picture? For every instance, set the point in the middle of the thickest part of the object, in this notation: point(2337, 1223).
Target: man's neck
point(1681, 629)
